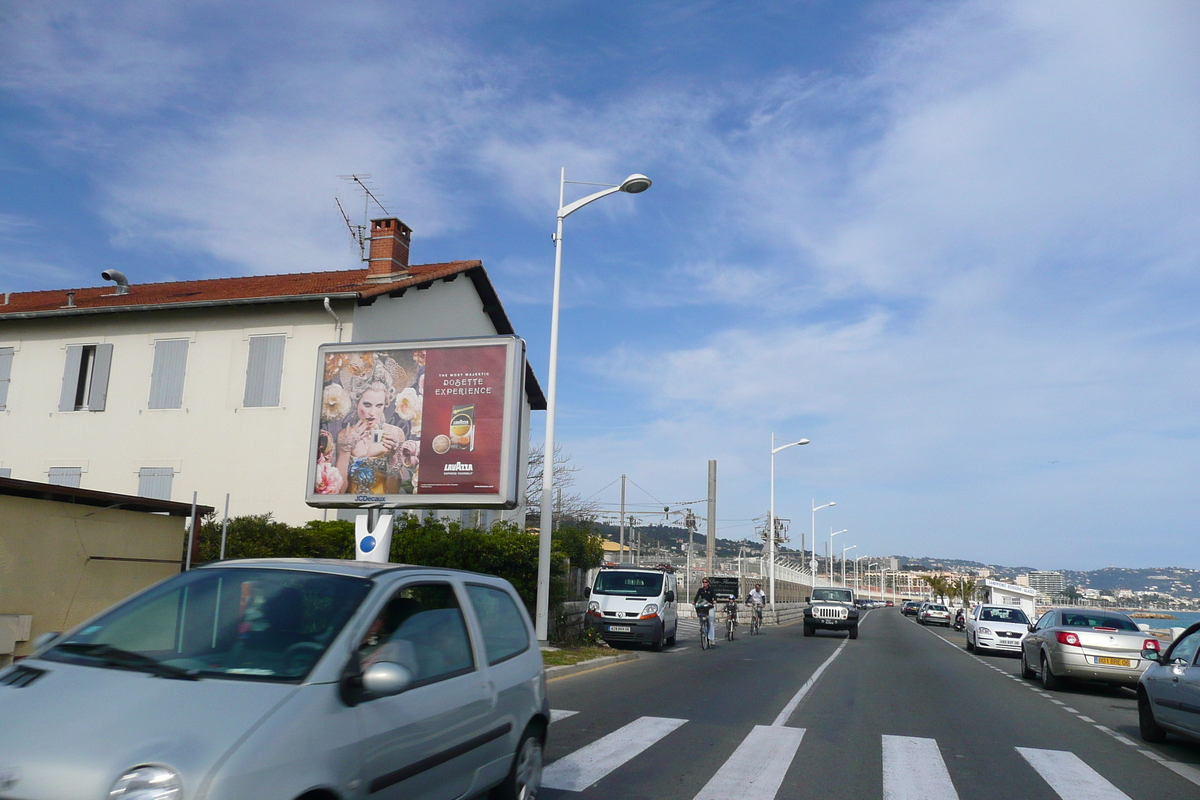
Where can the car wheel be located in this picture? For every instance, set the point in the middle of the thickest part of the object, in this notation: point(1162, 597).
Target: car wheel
point(657, 644)
point(808, 630)
point(1150, 729)
point(970, 645)
point(854, 632)
point(1026, 672)
point(671, 638)
point(525, 778)
point(1050, 681)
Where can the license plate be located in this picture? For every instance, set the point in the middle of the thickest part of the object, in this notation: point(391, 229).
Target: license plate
point(619, 628)
point(1113, 662)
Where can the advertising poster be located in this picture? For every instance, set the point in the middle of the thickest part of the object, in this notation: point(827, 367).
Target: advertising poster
point(417, 424)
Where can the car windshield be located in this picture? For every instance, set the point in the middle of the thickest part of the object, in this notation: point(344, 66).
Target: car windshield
point(633, 584)
point(833, 595)
point(1075, 619)
point(935, 607)
point(249, 624)
point(1004, 615)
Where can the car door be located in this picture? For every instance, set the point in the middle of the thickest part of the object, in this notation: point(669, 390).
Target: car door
point(972, 625)
point(1033, 642)
point(424, 743)
point(1174, 689)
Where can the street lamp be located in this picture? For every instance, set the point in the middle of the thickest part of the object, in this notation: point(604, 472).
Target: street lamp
point(831, 535)
point(771, 515)
point(813, 565)
point(634, 184)
point(844, 549)
point(857, 582)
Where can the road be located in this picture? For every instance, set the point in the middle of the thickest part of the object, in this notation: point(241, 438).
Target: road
point(902, 712)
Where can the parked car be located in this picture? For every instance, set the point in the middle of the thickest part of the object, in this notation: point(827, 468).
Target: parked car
point(1085, 643)
point(1169, 689)
point(991, 627)
point(934, 614)
point(636, 606)
point(284, 678)
point(910, 608)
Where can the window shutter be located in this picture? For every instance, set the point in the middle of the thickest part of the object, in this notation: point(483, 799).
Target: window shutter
point(264, 371)
point(6, 359)
point(65, 476)
point(166, 381)
point(70, 382)
point(155, 482)
point(98, 394)
point(5, 472)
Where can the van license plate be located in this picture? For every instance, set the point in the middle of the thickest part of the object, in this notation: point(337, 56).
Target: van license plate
point(1113, 662)
point(618, 628)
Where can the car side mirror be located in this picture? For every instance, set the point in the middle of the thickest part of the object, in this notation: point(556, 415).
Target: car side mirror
point(1152, 655)
point(386, 678)
point(587, 591)
point(669, 596)
point(44, 639)
point(1032, 627)
point(807, 599)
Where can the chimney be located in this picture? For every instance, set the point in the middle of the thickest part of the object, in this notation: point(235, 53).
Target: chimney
point(390, 239)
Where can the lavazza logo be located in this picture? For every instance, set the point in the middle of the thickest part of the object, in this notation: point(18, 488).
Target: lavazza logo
point(458, 468)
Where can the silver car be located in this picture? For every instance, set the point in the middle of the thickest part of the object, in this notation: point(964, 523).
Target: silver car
point(1169, 691)
point(1085, 643)
point(284, 679)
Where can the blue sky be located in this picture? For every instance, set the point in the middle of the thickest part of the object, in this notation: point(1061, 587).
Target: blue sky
point(953, 244)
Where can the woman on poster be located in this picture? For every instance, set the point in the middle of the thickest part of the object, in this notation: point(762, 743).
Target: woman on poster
point(376, 457)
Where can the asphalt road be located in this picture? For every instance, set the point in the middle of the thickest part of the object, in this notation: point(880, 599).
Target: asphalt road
point(902, 712)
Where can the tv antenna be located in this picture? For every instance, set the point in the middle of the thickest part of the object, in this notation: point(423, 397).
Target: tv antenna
point(358, 233)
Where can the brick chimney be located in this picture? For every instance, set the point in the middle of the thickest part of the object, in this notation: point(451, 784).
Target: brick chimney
point(390, 239)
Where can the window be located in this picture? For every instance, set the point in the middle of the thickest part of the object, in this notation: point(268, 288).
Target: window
point(422, 628)
point(65, 476)
point(1185, 648)
point(6, 359)
point(5, 472)
point(504, 631)
point(634, 584)
point(85, 378)
point(155, 482)
point(1014, 615)
point(264, 371)
point(166, 380)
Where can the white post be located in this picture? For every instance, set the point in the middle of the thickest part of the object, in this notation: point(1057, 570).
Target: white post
point(621, 544)
point(225, 526)
point(191, 532)
point(771, 528)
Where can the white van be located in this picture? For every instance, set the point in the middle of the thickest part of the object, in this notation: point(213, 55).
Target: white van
point(630, 604)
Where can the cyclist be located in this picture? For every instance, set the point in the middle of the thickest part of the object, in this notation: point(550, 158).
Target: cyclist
point(706, 595)
point(757, 600)
point(731, 609)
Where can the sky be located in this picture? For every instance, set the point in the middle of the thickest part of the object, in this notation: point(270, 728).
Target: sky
point(955, 245)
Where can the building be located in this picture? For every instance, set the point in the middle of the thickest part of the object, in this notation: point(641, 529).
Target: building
point(207, 386)
point(66, 554)
point(1047, 583)
point(1009, 594)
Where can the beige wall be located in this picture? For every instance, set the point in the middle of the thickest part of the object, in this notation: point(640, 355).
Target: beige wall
point(55, 559)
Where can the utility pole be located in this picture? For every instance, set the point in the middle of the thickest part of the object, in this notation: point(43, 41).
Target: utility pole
point(712, 515)
point(621, 549)
point(689, 522)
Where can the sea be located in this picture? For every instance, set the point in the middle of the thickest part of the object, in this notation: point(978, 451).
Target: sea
point(1183, 619)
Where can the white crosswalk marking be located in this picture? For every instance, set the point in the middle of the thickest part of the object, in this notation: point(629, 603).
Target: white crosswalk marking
point(1069, 777)
point(592, 762)
point(757, 768)
point(913, 769)
point(557, 713)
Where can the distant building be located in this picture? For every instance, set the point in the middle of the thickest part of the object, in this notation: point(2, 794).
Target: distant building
point(1047, 583)
point(1021, 580)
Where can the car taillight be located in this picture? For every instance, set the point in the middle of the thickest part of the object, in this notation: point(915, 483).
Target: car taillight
point(1068, 638)
point(1151, 644)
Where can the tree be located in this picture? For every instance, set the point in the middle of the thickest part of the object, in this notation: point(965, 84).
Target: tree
point(568, 505)
point(1072, 594)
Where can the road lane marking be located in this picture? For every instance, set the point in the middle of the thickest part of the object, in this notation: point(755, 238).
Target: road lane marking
point(1068, 708)
point(590, 763)
point(557, 713)
point(1069, 776)
point(757, 768)
point(795, 701)
point(913, 769)
point(1087, 719)
point(1186, 771)
point(1119, 737)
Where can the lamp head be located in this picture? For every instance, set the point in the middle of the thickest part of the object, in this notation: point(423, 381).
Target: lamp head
point(635, 184)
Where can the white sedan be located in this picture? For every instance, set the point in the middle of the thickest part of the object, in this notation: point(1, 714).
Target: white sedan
point(996, 628)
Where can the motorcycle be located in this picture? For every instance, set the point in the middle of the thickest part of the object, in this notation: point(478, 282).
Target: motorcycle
point(960, 620)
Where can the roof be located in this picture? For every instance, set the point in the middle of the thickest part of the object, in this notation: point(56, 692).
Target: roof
point(365, 569)
point(260, 289)
point(12, 487)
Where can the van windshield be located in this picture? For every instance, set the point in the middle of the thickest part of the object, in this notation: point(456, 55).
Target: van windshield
point(633, 584)
point(833, 595)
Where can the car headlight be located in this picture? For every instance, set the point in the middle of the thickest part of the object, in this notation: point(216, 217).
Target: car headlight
point(147, 783)
point(594, 606)
point(650, 610)
point(987, 631)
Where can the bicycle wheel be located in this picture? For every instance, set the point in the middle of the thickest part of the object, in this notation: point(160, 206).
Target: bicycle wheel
point(729, 630)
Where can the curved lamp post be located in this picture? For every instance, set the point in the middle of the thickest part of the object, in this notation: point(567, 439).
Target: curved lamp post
point(771, 515)
point(844, 551)
point(831, 535)
point(813, 566)
point(634, 184)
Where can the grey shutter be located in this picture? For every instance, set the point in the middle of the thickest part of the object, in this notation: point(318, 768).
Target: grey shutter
point(6, 359)
point(70, 383)
point(5, 472)
point(98, 393)
point(166, 381)
point(264, 371)
point(65, 476)
point(155, 482)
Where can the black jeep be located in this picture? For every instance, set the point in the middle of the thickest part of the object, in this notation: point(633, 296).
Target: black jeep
point(831, 609)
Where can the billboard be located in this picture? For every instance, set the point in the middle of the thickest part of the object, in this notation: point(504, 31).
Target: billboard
point(425, 424)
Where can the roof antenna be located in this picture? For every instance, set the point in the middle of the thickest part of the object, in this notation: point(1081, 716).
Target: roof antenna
point(370, 194)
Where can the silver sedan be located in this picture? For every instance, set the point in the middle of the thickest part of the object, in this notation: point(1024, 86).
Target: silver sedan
point(1087, 644)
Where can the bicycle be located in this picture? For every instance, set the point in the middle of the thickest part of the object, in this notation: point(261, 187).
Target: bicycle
point(730, 619)
point(702, 610)
point(755, 619)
